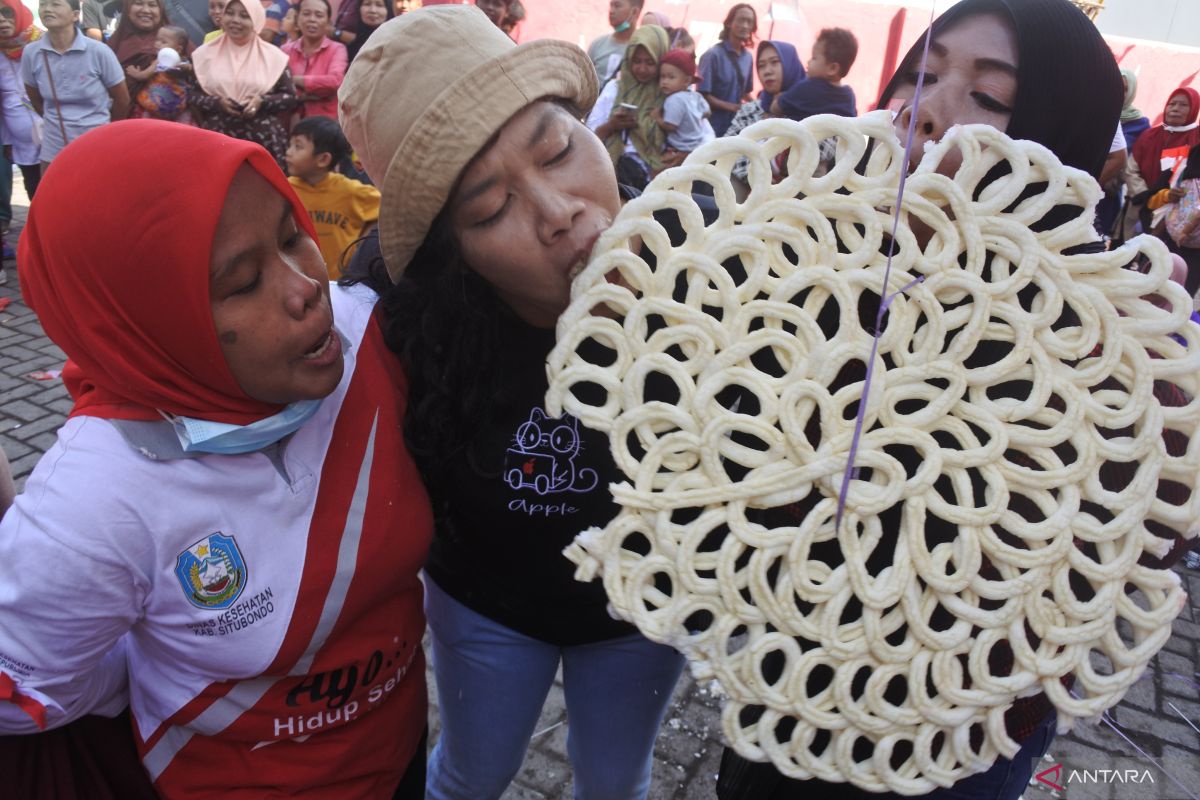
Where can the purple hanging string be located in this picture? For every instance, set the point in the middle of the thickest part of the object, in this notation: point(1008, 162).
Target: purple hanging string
point(885, 299)
point(1183, 678)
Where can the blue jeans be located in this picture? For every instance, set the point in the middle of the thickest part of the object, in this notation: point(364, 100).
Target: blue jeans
point(1007, 779)
point(493, 681)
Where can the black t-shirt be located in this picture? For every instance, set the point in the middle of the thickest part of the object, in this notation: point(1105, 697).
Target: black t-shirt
point(516, 498)
point(511, 502)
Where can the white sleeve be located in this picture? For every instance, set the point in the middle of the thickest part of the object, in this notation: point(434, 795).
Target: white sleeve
point(604, 106)
point(1118, 142)
point(613, 65)
point(65, 605)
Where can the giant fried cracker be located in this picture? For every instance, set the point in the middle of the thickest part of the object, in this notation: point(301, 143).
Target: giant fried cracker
point(805, 625)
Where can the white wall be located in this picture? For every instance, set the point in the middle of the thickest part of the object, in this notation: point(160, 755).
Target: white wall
point(1173, 21)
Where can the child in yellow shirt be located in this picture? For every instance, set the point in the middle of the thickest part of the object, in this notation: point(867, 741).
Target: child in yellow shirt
point(341, 209)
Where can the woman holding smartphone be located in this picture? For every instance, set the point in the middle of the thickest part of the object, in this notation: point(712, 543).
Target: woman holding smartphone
point(623, 116)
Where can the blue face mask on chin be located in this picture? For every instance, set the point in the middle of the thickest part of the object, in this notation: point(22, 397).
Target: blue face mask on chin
point(206, 436)
point(624, 26)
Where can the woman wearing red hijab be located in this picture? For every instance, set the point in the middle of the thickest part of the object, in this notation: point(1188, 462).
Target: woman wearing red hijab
point(1165, 144)
point(1159, 153)
point(228, 531)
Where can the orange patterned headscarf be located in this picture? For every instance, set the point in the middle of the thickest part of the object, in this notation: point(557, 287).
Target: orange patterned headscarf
point(26, 31)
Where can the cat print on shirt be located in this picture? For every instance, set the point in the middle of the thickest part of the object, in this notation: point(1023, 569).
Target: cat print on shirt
point(542, 456)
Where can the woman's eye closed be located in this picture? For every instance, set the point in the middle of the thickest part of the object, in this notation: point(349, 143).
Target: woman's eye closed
point(561, 155)
point(249, 287)
point(494, 218)
point(990, 103)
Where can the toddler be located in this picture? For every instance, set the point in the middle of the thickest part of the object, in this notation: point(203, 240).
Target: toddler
point(823, 92)
point(342, 210)
point(164, 96)
point(684, 114)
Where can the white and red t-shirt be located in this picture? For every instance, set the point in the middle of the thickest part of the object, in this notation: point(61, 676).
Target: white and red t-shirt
point(266, 606)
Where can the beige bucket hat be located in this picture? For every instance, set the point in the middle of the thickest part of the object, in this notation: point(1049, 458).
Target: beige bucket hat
point(427, 92)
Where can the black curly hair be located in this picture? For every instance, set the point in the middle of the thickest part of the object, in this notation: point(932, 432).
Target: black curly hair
point(443, 321)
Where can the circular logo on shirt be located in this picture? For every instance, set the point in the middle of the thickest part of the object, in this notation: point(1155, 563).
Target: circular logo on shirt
point(211, 571)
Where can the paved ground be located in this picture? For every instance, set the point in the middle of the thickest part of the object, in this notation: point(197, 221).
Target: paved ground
point(1160, 715)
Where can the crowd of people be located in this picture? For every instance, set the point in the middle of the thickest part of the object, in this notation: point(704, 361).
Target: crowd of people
point(651, 116)
point(263, 68)
point(283, 455)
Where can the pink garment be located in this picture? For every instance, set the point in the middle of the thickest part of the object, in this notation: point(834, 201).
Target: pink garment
point(322, 71)
point(239, 73)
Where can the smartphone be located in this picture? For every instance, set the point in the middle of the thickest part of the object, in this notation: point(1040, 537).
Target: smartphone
point(630, 107)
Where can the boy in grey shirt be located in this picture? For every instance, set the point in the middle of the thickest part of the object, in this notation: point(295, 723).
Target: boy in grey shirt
point(684, 114)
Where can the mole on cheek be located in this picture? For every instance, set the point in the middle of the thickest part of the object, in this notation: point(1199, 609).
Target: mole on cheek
point(229, 337)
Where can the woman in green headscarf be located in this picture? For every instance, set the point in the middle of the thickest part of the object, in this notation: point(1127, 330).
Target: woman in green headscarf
point(1119, 215)
point(1133, 121)
point(623, 116)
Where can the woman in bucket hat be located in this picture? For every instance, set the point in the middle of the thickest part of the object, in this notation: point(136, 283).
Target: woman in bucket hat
point(493, 195)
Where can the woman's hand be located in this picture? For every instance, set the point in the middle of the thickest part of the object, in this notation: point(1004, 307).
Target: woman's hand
point(622, 119)
point(1175, 194)
point(231, 108)
point(250, 109)
point(672, 158)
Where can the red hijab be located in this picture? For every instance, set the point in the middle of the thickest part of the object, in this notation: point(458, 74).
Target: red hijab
point(122, 285)
point(1148, 150)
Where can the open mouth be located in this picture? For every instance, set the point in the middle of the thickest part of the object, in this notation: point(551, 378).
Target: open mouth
point(321, 347)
